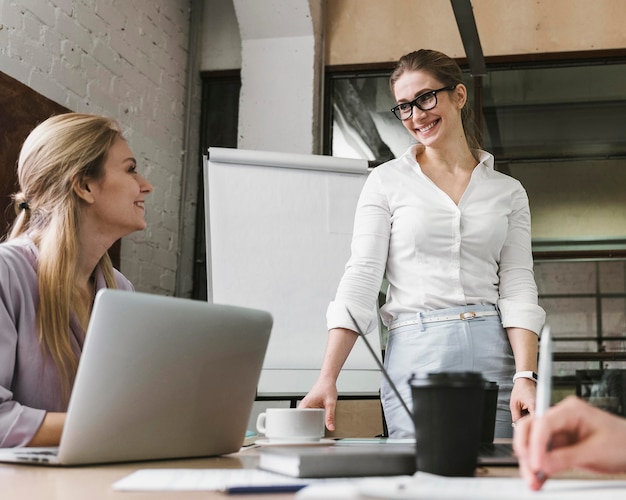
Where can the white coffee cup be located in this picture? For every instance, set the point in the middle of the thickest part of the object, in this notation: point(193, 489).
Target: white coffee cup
point(291, 424)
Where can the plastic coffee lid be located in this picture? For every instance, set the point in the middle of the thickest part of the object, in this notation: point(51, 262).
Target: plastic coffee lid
point(447, 379)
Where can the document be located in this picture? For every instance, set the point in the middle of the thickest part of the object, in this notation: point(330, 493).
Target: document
point(428, 486)
point(200, 479)
point(226, 480)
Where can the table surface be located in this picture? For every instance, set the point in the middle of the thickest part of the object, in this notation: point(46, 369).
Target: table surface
point(95, 482)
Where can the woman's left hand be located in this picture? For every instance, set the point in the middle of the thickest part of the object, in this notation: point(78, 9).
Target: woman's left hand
point(523, 397)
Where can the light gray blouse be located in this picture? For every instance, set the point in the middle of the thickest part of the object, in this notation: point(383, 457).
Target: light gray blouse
point(29, 382)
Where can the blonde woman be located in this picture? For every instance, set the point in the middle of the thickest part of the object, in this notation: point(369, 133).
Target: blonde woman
point(80, 191)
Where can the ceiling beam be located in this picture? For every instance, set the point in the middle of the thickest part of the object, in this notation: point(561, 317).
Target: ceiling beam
point(464, 15)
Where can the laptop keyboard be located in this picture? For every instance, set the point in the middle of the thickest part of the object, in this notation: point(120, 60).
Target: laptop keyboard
point(36, 455)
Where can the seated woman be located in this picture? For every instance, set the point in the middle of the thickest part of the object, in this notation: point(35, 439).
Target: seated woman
point(79, 193)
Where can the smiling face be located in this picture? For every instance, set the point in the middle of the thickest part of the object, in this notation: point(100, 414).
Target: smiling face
point(117, 198)
point(440, 124)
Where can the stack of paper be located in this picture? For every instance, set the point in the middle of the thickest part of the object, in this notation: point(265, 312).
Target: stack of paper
point(428, 486)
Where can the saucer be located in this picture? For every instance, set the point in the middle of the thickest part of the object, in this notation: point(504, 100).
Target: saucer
point(321, 442)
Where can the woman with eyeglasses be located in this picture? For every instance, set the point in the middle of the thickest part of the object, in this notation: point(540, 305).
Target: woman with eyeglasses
point(452, 237)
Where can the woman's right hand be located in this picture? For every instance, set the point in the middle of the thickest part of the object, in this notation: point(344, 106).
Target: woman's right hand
point(323, 395)
point(570, 435)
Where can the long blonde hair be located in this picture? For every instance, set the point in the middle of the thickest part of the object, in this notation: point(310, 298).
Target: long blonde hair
point(59, 152)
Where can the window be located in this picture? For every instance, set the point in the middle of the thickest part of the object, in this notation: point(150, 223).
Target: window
point(585, 303)
point(558, 126)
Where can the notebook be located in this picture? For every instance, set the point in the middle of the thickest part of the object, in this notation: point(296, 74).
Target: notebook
point(340, 460)
point(159, 378)
point(497, 453)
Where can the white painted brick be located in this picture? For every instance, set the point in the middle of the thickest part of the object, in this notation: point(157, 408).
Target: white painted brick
point(42, 83)
point(90, 67)
point(69, 28)
point(106, 56)
point(65, 5)
point(87, 17)
point(77, 103)
point(172, 87)
point(96, 94)
point(4, 41)
point(178, 16)
point(115, 77)
point(148, 68)
point(44, 11)
point(168, 281)
point(69, 77)
point(165, 258)
point(71, 53)
point(10, 15)
point(34, 53)
point(177, 67)
point(15, 67)
point(119, 43)
point(32, 27)
point(154, 33)
point(110, 13)
point(51, 41)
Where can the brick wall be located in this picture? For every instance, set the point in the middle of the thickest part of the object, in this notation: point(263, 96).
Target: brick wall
point(126, 59)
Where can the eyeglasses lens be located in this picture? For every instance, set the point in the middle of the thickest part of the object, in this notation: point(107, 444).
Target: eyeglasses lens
point(424, 102)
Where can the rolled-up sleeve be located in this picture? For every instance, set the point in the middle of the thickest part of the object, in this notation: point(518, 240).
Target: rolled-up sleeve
point(518, 302)
point(357, 293)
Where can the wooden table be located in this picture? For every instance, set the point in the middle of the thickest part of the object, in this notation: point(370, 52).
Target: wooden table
point(34, 482)
point(95, 482)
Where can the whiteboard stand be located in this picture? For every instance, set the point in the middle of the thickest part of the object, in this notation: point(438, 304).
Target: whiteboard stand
point(278, 231)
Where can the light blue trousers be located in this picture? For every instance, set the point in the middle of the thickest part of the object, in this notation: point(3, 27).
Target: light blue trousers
point(478, 344)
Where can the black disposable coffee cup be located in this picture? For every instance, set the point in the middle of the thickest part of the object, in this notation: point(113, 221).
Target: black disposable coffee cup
point(489, 412)
point(448, 418)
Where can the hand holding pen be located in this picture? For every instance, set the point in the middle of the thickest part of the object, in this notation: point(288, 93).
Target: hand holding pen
point(570, 435)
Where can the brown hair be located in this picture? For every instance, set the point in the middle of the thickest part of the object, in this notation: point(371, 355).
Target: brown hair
point(448, 72)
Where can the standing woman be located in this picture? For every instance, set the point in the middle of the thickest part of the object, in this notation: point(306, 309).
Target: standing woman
point(79, 193)
point(452, 237)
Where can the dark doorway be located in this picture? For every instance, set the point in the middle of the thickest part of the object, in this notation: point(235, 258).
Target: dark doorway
point(218, 128)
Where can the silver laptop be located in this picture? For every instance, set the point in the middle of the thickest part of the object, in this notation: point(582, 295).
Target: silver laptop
point(159, 378)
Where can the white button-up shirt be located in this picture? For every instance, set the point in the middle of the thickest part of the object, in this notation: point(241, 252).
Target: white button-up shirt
point(436, 254)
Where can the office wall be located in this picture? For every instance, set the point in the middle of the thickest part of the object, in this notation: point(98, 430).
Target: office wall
point(220, 41)
point(368, 31)
point(277, 44)
point(126, 60)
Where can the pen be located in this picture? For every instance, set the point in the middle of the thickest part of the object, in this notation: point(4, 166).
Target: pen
point(544, 381)
point(268, 488)
point(544, 375)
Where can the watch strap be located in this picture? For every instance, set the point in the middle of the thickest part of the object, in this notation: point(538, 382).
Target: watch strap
point(526, 374)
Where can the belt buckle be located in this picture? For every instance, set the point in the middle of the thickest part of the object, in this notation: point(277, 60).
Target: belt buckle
point(467, 315)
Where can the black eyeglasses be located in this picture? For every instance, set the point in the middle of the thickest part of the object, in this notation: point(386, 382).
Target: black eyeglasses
point(425, 102)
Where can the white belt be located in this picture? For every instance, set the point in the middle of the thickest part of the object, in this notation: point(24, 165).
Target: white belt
point(464, 316)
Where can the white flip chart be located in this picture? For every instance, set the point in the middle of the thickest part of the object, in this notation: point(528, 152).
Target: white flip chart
point(279, 228)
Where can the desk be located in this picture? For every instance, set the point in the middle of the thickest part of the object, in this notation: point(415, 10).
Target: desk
point(95, 482)
point(34, 482)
